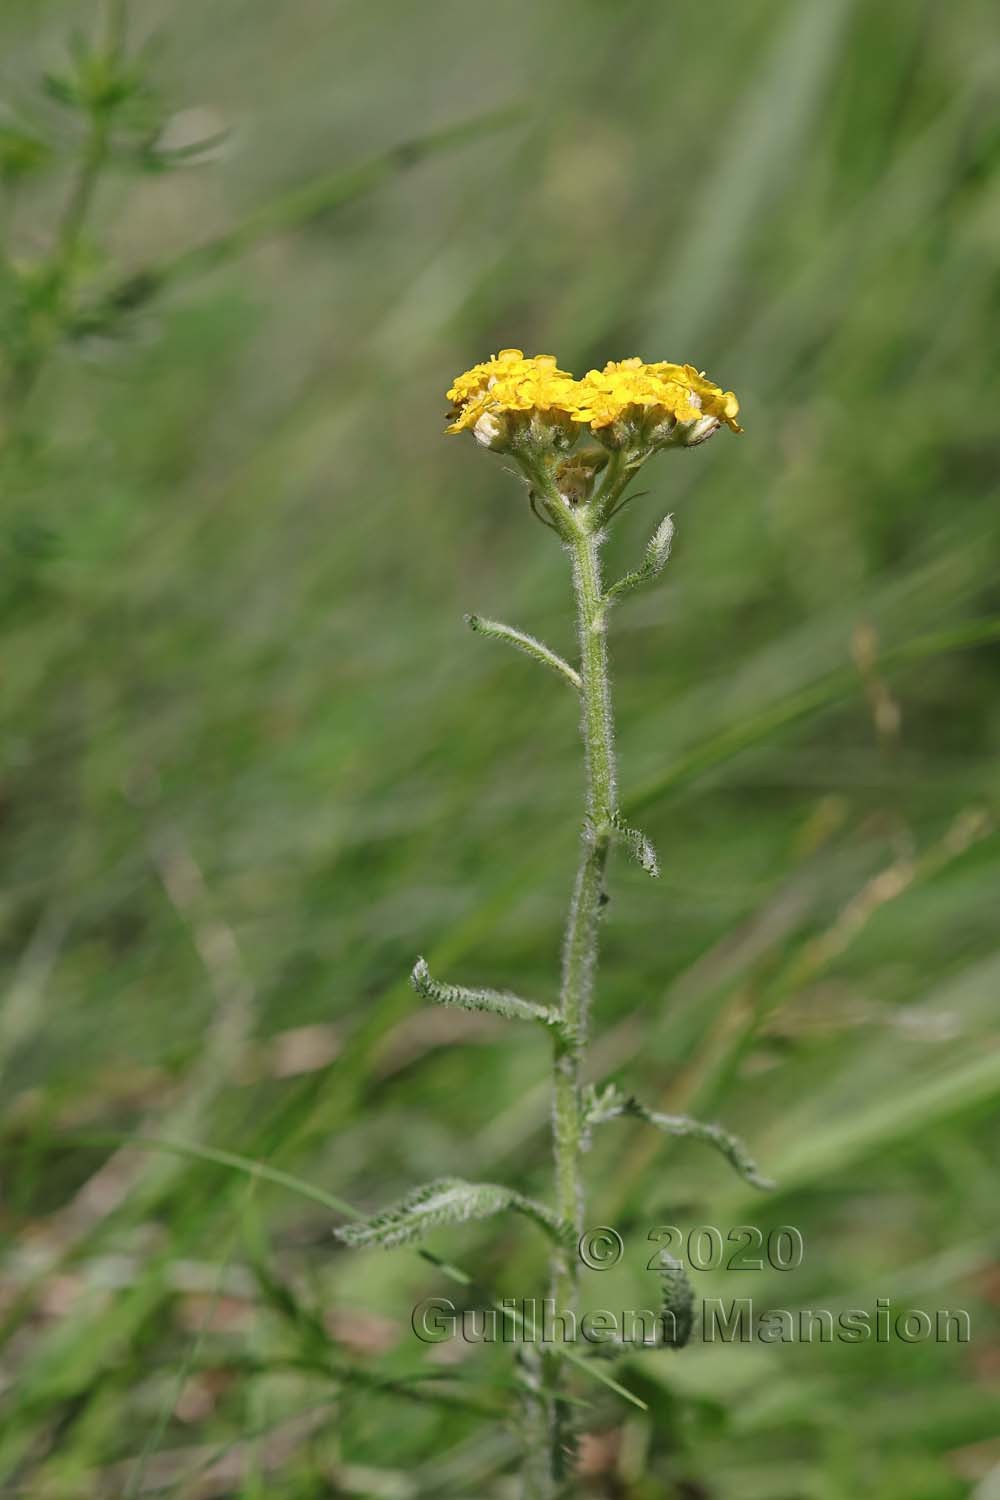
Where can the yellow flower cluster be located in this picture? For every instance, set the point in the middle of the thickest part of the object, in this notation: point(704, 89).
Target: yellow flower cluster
point(510, 383)
point(653, 402)
point(628, 389)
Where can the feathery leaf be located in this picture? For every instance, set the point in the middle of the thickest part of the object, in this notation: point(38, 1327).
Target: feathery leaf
point(521, 641)
point(638, 845)
point(678, 1303)
point(653, 562)
point(612, 1104)
point(447, 1200)
point(676, 1320)
point(493, 1002)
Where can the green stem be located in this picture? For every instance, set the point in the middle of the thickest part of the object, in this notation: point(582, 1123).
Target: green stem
point(580, 947)
point(31, 362)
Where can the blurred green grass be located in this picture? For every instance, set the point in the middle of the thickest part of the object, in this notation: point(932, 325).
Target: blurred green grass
point(252, 763)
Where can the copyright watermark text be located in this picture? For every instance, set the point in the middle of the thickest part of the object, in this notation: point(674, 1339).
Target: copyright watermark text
point(538, 1320)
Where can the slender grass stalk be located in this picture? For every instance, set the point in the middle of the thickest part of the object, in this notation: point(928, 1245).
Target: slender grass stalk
point(291, 211)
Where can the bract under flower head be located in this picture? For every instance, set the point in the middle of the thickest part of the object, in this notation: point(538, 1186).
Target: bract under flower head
point(508, 385)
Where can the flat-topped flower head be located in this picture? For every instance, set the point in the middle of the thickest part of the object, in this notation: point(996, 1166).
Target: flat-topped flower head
point(632, 404)
point(535, 411)
point(510, 398)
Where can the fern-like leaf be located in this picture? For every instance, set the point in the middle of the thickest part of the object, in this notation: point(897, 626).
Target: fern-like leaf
point(527, 644)
point(676, 1320)
point(638, 845)
point(493, 1002)
point(653, 562)
point(677, 1314)
point(447, 1200)
point(612, 1104)
point(729, 1145)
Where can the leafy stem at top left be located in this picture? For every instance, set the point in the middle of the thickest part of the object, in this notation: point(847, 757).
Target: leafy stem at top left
point(98, 113)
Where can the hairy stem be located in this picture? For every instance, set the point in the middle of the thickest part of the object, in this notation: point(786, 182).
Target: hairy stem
point(580, 946)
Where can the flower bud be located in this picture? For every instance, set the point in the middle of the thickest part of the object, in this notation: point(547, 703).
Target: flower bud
point(492, 431)
point(689, 434)
point(662, 432)
point(574, 476)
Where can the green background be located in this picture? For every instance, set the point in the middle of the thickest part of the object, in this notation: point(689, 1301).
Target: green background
point(252, 763)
